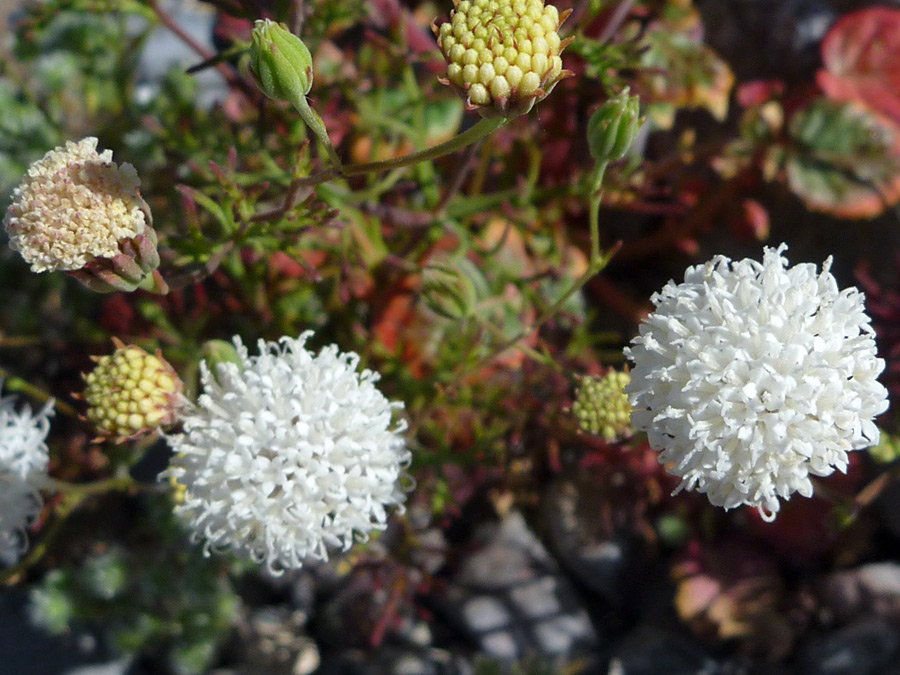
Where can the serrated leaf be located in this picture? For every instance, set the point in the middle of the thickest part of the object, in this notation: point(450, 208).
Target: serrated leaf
point(843, 160)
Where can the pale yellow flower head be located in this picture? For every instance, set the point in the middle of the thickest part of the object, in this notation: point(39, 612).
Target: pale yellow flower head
point(75, 205)
point(503, 55)
point(131, 392)
point(601, 406)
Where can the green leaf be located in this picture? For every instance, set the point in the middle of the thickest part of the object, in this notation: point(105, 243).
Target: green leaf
point(842, 159)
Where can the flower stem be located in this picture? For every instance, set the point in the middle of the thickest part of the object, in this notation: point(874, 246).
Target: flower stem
point(18, 384)
point(73, 495)
point(597, 262)
point(317, 126)
point(472, 135)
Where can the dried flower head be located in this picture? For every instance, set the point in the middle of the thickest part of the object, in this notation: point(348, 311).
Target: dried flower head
point(503, 55)
point(750, 377)
point(23, 472)
point(76, 210)
point(287, 453)
point(601, 406)
point(131, 393)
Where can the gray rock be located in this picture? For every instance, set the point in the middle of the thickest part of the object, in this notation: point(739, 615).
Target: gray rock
point(395, 661)
point(119, 667)
point(863, 648)
point(866, 591)
point(511, 599)
point(607, 564)
point(273, 641)
point(652, 651)
point(27, 650)
point(164, 51)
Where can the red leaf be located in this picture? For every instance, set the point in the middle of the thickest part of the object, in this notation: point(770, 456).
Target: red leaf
point(861, 54)
point(757, 92)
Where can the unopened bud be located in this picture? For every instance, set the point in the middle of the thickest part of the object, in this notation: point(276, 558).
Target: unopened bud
point(281, 62)
point(453, 288)
point(503, 55)
point(614, 126)
point(217, 352)
point(130, 393)
point(601, 406)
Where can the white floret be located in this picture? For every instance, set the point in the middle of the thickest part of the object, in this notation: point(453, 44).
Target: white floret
point(750, 377)
point(23, 472)
point(289, 453)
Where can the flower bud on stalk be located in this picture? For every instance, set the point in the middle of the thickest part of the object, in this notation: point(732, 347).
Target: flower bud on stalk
point(281, 62)
point(614, 126)
point(453, 288)
point(283, 68)
point(79, 212)
point(131, 393)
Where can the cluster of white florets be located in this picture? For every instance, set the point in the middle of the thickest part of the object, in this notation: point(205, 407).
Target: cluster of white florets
point(751, 377)
point(288, 453)
point(75, 205)
point(23, 473)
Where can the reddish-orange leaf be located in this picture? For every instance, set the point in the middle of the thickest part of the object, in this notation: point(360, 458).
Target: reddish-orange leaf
point(861, 54)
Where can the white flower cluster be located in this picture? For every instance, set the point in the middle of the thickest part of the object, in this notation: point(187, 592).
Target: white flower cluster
point(74, 205)
point(750, 377)
point(23, 472)
point(288, 453)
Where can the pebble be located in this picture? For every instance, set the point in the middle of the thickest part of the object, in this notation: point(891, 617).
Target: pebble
point(866, 647)
point(509, 596)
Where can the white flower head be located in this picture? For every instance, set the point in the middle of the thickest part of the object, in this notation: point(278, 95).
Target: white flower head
point(23, 472)
point(750, 377)
point(74, 205)
point(287, 453)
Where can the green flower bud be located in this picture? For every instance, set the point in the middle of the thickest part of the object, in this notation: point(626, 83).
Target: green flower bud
point(217, 352)
point(281, 62)
point(887, 450)
point(613, 127)
point(453, 287)
point(130, 393)
point(601, 406)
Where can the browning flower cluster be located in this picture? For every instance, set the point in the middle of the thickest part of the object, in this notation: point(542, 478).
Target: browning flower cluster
point(75, 205)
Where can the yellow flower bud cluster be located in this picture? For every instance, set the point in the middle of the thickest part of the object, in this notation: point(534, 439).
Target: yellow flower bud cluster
point(503, 55)
point(601, 406)
point(130, 392)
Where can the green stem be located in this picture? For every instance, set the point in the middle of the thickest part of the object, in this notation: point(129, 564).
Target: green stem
point(596, 264)
point(73, 495)
point(18, 384)
point(596, 198)
point(474, 134)
point(468, 137)
point(317, 126)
